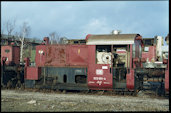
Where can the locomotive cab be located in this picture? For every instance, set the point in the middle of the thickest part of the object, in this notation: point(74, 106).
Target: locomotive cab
point(113, 61)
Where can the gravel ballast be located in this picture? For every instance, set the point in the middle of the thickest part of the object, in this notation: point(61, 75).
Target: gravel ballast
point(18, 100)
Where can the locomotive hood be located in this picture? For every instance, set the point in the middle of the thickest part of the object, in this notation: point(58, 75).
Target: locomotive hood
point(112, 39)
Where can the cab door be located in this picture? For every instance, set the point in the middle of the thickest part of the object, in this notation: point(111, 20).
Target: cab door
point(100, 67)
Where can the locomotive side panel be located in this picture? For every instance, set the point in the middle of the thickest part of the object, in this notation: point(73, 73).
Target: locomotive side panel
point(60, 75)
point(77, 55)
point(56, 55)
point(167, 69)
point(61, 55)
point(33, 73)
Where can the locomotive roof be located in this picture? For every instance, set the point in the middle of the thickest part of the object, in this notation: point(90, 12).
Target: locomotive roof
point(111, 39)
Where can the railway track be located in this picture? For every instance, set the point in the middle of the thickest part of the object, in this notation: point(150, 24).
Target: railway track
point(143, 93)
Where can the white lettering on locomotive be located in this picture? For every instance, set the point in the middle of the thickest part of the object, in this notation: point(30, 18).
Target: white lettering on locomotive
point(99, 82)
point(91, 82)
point(106, 82)
point(99, 78)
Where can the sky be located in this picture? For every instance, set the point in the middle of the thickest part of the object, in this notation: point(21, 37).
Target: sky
point(76, 19)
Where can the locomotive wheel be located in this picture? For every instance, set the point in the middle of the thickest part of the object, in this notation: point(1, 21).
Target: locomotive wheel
point(64, 91)
point(134, 93)
point(18, 85)
point(86, 91)
point(100, 92)
point(9, 84)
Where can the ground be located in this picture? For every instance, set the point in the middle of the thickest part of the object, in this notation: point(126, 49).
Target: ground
point(31, 101)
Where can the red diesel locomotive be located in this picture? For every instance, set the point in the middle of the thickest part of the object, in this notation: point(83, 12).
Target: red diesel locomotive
point(155, 68)
point(12, 73)
point(105, 62)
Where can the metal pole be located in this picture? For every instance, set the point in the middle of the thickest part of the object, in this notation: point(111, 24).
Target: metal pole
point(44, 76)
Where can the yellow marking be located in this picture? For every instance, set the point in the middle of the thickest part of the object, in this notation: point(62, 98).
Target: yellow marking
point(78, 51)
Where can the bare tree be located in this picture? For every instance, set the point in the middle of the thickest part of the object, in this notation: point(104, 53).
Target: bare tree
point(54, 38)
point(10, 25)
point(25, 31)
point(2, 29)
